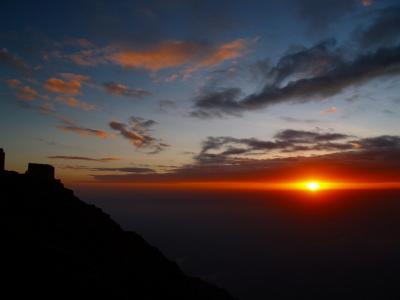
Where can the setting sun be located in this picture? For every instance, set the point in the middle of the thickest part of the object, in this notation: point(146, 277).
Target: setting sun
point(313, 186)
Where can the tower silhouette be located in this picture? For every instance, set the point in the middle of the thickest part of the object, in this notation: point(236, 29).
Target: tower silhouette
point(2, 159)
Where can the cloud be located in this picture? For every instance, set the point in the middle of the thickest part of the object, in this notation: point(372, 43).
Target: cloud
point(330, 110)
point(129, 170)
point(74, 102)
point(219, 149)
point(27, 93)
point(381, 154)
point(13, 61)
point(24, 92)
point(87, 57)
point(308, 136)
point(76, 77)
point(119, 89)
point(312, 73)
point(215, 103)
point(302, 62)
point(165, 55)
point(171, 54)
point(60, 86)
point(380, 142)
point(125, 170)
point(137, 131)
point(45, 108)
point(13, 83)
point(84, 131)
point(66, 157)
point(326, 81)
point(224, 52)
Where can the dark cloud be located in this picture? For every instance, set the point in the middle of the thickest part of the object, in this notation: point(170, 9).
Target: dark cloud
point(304, 62)
point(67, 157)
point(134, 170)
point(301, 136)
point(353, 163)
point(137, 131)
point(385, 141)
point(221, 149)
point(217, 102)
point(125, 170)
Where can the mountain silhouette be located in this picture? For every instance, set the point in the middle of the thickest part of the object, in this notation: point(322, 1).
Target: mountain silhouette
point(54, 246)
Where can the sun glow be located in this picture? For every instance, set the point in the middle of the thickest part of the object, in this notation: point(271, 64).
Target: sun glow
point(313, 186)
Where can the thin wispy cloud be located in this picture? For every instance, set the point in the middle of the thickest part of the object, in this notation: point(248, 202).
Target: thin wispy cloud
point(330, 110)
point(74, 102)
point(83, 131)
point(84, 158)
point(120, 89)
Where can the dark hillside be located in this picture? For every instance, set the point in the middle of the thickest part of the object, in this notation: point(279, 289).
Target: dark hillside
point(56, 246)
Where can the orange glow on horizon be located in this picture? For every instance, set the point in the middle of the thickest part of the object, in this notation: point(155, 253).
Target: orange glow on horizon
point(313, 185)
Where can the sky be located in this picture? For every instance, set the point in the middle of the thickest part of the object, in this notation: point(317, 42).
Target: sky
point(202, 91)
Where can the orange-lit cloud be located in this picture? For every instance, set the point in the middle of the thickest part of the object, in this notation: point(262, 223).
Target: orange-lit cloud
point(27, 93)
point(164, 55)
point(178, 53)
point(330, 110)
point(74, 102)
point(60, 86)
point(84, 131)
point(24, 92)
point(225, 52)
point(75, 77)
point(13, 83)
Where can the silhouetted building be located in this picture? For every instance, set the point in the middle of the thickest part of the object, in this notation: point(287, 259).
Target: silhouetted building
point(41, 171)
point(2, 159)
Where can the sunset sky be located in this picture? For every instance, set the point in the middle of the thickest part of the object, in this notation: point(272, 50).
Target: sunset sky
point(202, 91)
